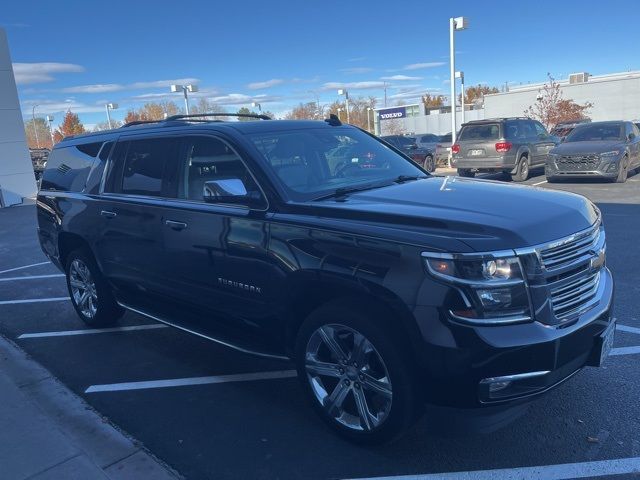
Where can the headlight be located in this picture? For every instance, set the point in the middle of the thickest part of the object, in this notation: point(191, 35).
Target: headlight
point(612, 153)
point(492, 286)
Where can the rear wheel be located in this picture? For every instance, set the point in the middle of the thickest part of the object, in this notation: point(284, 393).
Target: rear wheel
point(429, 164)
point(522, 171)
point(357, 377)
point(90, 293)
point(466, 172)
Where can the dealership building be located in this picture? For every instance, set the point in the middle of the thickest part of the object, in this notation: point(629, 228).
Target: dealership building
point(614, 97)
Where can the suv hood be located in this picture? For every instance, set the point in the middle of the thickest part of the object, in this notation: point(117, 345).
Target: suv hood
point(481, 214)
point(586, 148)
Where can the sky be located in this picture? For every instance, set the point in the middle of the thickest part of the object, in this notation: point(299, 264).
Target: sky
point(80, 55)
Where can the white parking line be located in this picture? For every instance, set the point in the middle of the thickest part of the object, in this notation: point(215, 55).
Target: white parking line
point(26, 266)
point(34, 300)
point(182, 382)
point(33, 277)
point(625, 328)
point(68, 333)
point(625, 351)
point(619, 466)
point(539, 183)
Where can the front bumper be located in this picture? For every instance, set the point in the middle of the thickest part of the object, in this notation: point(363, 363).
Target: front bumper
point(459, 357)
point(606, 168)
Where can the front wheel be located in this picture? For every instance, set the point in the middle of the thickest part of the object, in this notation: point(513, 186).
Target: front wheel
point(429, 164)
point(358, 379)
point(622, 173)
point(90, 293)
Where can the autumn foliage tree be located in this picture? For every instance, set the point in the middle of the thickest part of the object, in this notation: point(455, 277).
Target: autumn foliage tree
point(432, 101)
point(359, 109)
point(71, 125)
point(40, 137)
point(551, 108)
point(475, 94)
point(306, 111)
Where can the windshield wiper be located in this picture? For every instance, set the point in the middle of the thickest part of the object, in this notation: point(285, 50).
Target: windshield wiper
point(343, 191)
point(408, 178)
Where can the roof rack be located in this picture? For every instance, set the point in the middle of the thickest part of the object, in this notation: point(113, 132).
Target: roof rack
point(140, 122)
point(197, 115)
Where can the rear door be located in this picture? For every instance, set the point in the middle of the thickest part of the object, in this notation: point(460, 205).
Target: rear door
point(129, 246)
point(543, 142)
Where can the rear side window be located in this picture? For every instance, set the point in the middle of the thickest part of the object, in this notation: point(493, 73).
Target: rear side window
point(480, 132)
point(140, 166)
point(68, 167)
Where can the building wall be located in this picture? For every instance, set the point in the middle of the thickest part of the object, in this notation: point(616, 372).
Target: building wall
point(440, 124)
point(613, 98)
point(17, 180)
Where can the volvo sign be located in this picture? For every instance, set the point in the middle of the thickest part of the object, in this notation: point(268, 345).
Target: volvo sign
point(392, 113)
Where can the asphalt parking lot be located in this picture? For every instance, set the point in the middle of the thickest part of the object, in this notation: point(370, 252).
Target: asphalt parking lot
point(210, 412)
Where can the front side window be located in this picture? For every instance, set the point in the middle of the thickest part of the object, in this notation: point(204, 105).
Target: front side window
point(540, 130)
point(313, 162)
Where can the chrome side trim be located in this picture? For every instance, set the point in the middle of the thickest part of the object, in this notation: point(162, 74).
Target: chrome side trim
point(213, 339)
point(490, 321)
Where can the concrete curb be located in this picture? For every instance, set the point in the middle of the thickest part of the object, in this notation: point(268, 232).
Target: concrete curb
point(87, 446)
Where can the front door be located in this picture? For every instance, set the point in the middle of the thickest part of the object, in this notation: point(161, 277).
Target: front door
point(542, 143)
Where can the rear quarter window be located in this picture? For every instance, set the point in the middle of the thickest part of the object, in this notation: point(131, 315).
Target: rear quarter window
point(68, 167)
point(480, 133)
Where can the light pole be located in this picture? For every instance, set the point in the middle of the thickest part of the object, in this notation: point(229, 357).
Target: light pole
point(460, 75)
point(185, 89)
point(107, 107)
point(35, 130)
point(369, 119)
point(339, 110)
point(458, 23)
point(342, 91)
point(50, 122)
point(256, 104)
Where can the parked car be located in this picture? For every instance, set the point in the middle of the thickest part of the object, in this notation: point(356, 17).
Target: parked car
point(428, 141)
point(562, 129)
point(443, 149)
point(39, 158)
point(408, 145)
point(388, 287)
point(509, 145)
point(607, 150)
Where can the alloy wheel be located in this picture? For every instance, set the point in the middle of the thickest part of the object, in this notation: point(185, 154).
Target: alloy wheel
point(348, 377)
point(83, 288)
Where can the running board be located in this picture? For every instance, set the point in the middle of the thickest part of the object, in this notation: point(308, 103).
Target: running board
point(224, 343)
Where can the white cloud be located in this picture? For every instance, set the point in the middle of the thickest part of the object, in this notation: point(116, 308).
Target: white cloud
point(162, 83)
point(352, 85)
point(420, 66)
point(267, 84)
point(400, 78)
point(60, 107)
point(356, 59)
point(356, 70)
point(27, 73)
point(117, 87)
point(97, 88)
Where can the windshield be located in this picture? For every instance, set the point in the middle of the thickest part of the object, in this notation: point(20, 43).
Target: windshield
point(314, 162)
point(596, 132)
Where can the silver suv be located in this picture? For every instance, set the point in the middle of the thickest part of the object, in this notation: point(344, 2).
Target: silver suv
point(509, 145)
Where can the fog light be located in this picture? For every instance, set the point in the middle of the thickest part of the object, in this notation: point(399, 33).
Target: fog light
point(613, 167)
point(495, 296)
point(497, 386)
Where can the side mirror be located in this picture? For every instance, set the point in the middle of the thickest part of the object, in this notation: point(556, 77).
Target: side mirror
point(632, 136)
point(227, 190)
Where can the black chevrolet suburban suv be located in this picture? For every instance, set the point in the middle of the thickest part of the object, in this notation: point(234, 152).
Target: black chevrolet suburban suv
point(390, 288)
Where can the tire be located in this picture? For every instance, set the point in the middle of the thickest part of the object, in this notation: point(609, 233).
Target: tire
point(329, 365)
point(429, 164)
point(466, 172)
point(99, 307)
point(623, 173)
point(522, 171)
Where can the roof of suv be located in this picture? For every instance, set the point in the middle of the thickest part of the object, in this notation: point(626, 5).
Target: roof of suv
point(494, 120)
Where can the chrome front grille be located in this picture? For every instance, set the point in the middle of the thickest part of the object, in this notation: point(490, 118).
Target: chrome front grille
point(563, 253)
point(580, 163)
point(575, 296)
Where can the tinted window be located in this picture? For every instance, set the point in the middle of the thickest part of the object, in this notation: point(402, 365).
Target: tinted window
point(206, 159)
point(68, 167)
point(404, 142)
point(313, 162)
point(445, 138)
point(429, 138)
point(596, 132)
point(480, 132)
point(143, 168)
point(540, 130)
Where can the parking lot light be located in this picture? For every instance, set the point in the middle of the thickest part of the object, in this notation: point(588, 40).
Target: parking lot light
point(457, 23)
point(369, 109)
point(460, 75)
point(339, 110)
point(108, 107)
point(256, 104)
point(342, 91)
point(185, 89)
point(35, 130)
point(50, 121)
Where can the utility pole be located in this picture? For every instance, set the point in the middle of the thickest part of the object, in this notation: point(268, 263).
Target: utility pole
point(35, 130)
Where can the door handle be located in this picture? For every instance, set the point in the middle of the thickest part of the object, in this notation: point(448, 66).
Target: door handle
point(175, 225)
point(108, 214)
